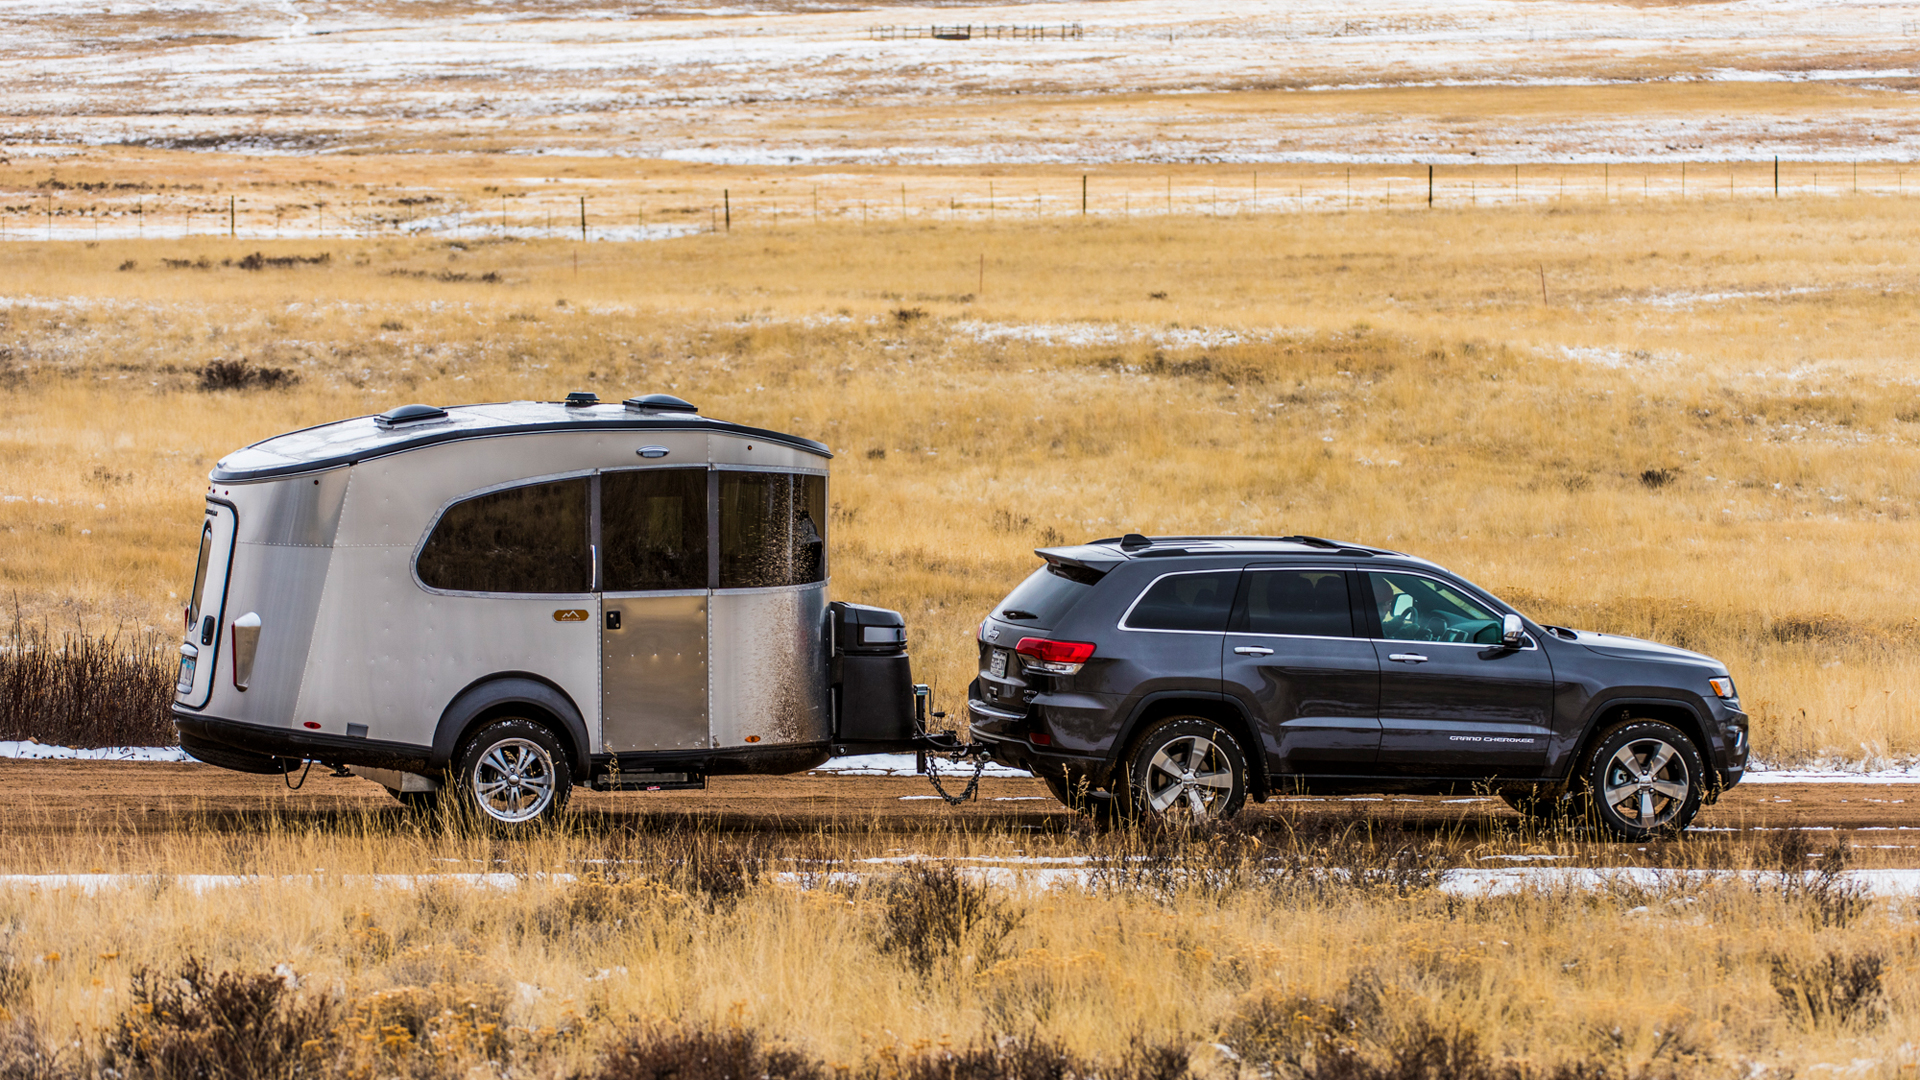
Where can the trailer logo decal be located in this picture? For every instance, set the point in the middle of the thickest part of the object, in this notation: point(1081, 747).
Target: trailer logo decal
point(569, 615)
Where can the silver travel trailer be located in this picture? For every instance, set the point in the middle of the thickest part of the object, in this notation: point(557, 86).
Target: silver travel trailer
point(500, 601)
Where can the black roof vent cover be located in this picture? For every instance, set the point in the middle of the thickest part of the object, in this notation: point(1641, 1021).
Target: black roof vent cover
point(661, 403)
point(580, 398)
point(410, 414)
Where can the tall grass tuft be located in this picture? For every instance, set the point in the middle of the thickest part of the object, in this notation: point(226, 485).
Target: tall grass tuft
point(87, 690)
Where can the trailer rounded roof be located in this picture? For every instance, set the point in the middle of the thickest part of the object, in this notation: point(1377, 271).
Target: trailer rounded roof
point(348, 442)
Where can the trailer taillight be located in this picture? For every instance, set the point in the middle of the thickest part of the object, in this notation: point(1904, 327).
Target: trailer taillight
point(1054, 657)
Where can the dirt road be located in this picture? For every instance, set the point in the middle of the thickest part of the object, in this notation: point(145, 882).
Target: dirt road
point(140, 805)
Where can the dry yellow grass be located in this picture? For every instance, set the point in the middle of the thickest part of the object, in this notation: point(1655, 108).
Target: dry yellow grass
point(1704, 434)
point(1270, 947)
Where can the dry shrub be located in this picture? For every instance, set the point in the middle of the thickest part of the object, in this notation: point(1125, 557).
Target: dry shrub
point(672, 1053)
point(1270, 1027)
point(241, 375)
point(1823, 892)
point(1332, 860)
point(261, 261)
point(1832, 989)
point(930, 912)
point(86, 690)
point(196, 1024)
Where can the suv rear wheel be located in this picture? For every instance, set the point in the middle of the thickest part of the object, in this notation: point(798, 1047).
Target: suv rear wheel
point(514, 772)
point(1644, 779)
point(1186, 767)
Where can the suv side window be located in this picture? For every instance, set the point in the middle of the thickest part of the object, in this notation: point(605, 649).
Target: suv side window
point(1302, 603)
point(1415, 608)
point(529, 539)
point(1198, 602)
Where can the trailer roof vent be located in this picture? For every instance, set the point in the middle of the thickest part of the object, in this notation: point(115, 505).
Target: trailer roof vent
point(410, 414)
point(661, 403)
point(581, 398)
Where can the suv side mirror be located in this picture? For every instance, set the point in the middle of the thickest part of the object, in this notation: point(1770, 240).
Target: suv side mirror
point(1511, 630)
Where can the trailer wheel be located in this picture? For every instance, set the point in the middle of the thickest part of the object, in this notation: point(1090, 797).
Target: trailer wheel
point(513, 772)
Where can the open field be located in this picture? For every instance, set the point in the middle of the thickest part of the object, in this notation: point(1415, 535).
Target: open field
point(1692, 421)
point(852, 928)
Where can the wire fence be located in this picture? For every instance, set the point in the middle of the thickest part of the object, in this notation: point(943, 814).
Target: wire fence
point(656, 211)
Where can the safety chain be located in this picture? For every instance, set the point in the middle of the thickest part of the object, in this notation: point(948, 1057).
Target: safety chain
point(973, 784)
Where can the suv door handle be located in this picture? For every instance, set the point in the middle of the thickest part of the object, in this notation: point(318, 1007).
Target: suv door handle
point(1407, 657)
point(1252, 650)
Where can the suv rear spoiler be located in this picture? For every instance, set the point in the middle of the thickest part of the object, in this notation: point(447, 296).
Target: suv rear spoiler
point(1092, 558)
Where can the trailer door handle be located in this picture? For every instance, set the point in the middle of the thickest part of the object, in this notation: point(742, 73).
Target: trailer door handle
point(1252, 650)
point(1407, 657)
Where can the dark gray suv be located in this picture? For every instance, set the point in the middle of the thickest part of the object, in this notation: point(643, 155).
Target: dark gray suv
point(1180, 675)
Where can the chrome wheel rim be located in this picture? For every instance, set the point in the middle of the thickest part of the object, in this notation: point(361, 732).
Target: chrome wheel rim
point(1646, 783)
point(513, 781)
point(1190, 773)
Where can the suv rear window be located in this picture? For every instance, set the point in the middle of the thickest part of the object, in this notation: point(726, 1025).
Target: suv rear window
point(1046, 596)
point(1186, 602)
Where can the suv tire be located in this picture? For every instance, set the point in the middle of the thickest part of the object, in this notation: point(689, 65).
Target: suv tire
point(1185, 767)
point(512, 772)
point(1643, 779)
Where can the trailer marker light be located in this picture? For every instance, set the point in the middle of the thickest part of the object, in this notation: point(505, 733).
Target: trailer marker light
point(1054, 657)
point(314, 724)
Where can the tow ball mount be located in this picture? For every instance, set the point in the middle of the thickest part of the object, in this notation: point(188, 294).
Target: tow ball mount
point(930, 745)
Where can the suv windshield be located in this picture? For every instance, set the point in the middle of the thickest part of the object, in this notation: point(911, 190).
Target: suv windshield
point(1045, 597)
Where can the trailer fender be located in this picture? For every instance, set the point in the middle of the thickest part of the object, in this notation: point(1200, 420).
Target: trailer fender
point(512, 694)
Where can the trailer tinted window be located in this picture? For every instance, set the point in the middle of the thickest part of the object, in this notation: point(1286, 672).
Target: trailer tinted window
point(773, 529)
point(530, 539)
point(1186, 602)
point(653, 529)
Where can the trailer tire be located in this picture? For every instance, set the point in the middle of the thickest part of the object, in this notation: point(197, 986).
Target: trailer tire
point(512, 773)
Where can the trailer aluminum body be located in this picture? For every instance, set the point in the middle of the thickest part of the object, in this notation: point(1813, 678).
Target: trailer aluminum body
point(646, 586)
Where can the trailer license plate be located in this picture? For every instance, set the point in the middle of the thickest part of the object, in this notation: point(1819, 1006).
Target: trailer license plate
point(185, 682)
point(997, 664)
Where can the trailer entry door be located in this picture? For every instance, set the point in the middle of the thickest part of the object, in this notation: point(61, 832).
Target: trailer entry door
point(654, 603)
point(206, 607)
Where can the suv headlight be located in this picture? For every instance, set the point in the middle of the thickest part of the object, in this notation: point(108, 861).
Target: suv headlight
point(1723, 688)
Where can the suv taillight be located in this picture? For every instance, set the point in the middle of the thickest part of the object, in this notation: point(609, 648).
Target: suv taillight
point(1054, 657)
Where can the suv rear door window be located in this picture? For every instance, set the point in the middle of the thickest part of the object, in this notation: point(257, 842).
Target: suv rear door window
point(1303, 603)
point(1046, 596)
point(529, 539)
point(1196, 602)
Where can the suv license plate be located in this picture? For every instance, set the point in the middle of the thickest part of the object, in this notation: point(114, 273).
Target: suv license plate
point(185, 682)
point(997, 664)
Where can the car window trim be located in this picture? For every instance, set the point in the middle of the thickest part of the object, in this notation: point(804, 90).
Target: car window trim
point(1142, 595)
point(1373, 621)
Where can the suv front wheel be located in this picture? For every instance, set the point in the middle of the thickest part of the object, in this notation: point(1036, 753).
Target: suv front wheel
point(1186, 767)
point(1643, 779)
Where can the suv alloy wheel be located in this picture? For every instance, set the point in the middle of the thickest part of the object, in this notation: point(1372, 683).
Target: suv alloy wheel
point(1643, 779)
point(1185, 768)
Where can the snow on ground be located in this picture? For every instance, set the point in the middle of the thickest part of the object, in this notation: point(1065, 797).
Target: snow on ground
point(780, 87)
point(1035, 875)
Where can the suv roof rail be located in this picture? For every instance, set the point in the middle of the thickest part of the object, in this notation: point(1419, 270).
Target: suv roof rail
point(1136, 544)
